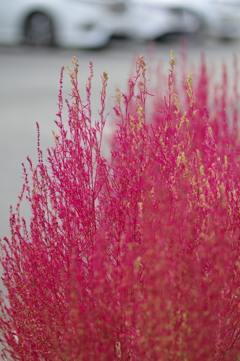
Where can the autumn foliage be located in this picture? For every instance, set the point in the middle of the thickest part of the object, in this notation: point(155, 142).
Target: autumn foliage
point(134, 258)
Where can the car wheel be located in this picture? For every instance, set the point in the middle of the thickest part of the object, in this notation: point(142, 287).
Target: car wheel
point(39, 30)
point(193, 23)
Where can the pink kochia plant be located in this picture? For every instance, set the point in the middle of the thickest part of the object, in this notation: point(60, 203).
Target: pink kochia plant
point(134, 258)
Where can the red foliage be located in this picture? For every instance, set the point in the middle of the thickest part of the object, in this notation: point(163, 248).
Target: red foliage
point(138, 258)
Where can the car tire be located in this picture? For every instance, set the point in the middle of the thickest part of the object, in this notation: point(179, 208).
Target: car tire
point(39, 30)
point(195, 22)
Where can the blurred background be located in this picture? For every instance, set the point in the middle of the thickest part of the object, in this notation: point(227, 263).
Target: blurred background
point(38, 37)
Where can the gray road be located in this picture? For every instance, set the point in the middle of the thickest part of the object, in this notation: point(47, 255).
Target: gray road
point(29, 82)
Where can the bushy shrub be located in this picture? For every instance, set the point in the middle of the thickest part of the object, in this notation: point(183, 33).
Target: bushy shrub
point(136, 258)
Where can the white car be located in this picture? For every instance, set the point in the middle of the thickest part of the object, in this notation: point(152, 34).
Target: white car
point(218, 18)
point(61, 22)
point(226, 15)
point(78, 23)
